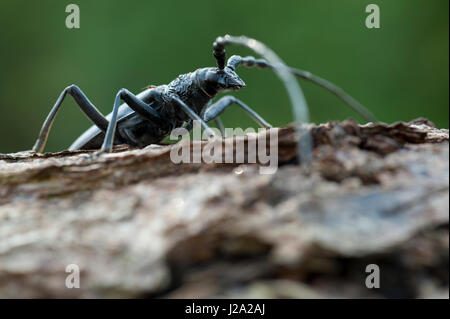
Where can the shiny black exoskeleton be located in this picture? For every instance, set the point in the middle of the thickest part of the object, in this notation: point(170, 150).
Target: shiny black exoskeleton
point(195, 90)
point(150, 116)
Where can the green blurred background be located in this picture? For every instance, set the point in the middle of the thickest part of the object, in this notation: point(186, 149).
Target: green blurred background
point(399, 71)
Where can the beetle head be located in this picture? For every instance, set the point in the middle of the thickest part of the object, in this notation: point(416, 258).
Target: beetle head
point(222, 80)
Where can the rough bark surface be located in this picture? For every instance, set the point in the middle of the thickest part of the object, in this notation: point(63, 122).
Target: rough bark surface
point(138, 225)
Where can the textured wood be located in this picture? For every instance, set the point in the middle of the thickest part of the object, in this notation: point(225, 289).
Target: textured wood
point(140, 226)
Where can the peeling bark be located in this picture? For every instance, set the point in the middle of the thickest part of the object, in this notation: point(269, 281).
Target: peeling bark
point(139, 225)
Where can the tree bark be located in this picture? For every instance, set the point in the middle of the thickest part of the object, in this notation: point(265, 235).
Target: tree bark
point(138, 225)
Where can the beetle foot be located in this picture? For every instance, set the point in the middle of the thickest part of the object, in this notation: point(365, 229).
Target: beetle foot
point(30, 152)
point(97, 154)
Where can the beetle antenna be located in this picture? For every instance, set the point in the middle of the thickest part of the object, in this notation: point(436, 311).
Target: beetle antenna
point(249, 61)
point(299, 105)
point(219, 53)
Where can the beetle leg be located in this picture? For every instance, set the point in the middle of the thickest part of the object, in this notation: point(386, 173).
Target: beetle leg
point(194, 116)
point(188, 126)
point(83, 102)
point(220, 126)
point(143, 109)
point(214, 110)
point(217, 120)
